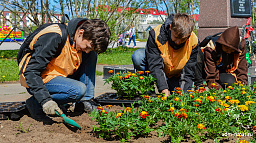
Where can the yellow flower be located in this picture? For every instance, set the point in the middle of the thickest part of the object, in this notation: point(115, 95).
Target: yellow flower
point(119, 114)
point(225, 91)
point(243, 107)
point(241, 85)
point(249, 96)
point(163, 98)
point(3, 76)
point(171, 109)
point(249, 102)
point(182, 110)
point(221, 102)
point(211, 98)
point(226, 83)
point(243, 92)
point(243, 88)
point(226, 105)
point(227, 98)
point(214, 93)
point(234, 101)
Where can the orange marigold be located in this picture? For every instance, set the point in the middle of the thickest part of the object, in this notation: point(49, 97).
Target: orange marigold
point(141, 77)
point(109, 106)
point(110, 71)
point(230, 87)
point(227, 98)
point(243, 141)
point(254, 127)
point(147, 71)
point(200, 126)
point(99, 108)
point(141, 72)
point(144, 114)
point(214, 85)
point(128, 109)
point(211, 98)
point(177, 99)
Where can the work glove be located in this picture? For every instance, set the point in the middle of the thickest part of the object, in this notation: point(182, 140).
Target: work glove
point(50, 107)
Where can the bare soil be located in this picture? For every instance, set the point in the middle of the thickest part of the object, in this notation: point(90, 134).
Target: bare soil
point(57, 132)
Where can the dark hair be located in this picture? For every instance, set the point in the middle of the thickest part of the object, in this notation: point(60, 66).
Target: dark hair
point(182, 24)
point(98, 31)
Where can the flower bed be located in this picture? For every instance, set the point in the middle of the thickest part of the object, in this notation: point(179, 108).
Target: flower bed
point(198, 115)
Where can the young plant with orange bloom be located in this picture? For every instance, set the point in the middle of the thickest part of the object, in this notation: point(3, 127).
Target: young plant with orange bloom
point(144, 114)
point(119, 114)
point(128, 109)
point(200, 126)
point(110, 71)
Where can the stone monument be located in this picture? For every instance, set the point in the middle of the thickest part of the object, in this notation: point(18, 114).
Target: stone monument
point(217, 15)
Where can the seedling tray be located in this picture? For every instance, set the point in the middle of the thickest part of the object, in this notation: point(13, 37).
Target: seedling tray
point(11, 109)
point(112, 98)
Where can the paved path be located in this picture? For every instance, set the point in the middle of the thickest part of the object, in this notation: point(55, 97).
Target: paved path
point(11, 92)
point(15, 46)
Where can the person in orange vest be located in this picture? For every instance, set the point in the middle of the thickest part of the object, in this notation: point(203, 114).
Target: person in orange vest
point(171, 54)
point(54, 79)
point(225, 60)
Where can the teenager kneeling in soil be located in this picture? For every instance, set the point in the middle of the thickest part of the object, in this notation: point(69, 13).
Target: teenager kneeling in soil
point(69, 77)
point(225, 60)
point(171, 54)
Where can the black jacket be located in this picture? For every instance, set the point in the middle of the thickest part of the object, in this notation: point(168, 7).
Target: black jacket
point(45, 49)
point(155, 61)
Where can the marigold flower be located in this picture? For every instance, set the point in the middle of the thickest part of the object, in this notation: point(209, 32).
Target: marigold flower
point(120, 77)
point(198, 100)
point(144, 114)
point(226, 105)
point(183, 115)
point(243, 92)
point(254, 127)
point(3, 76)
point(163, 98)
point(147, 71)
point(103, 111)
point(110, 71)
point(243, 88)
point(239, 82)
point(196, 105)
point(200, 126)
point(213, 85)
point(218, 109)
point(191, 96)
point(119, 114)
point(243, 107)
point(133, 74)
point(220, 101)
point(241, 85)
point(249, 102)
point(249, 96)
point(128, 109)
point(127, 76)
point(183, 110)
point(146, 96)
point(211, 98)
point(141, 72)
point(213, 93)
point(149, 101)
point(224, 91)
point(141, 77)
point(99, 108)
point(118, 73)
point(109, 106)
point(236, 83)
point(176, 114)
point(201, 89)
point(178, 88)
point(230, 87)
point(243, 141)
point(227, 98)
point(178, 92)
point(171, 109)
point(177, 99)
point(234, 101)
point(130, 74)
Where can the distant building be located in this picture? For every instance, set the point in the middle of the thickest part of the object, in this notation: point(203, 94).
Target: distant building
point(8, 18)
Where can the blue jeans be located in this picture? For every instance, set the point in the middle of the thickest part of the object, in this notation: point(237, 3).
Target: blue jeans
point(132, 39)
point(140, 63)
point(76, 87)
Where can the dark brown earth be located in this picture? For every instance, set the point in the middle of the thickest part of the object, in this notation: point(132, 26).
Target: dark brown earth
point(58, 132)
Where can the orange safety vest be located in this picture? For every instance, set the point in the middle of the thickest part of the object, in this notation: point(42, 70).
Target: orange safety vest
point(65, 64)
point(175, 60)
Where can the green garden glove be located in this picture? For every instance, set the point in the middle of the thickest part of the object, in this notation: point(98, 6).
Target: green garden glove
point(50, 107)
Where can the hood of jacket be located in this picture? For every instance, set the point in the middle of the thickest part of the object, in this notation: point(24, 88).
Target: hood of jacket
point(72, 26)
point(230, 38)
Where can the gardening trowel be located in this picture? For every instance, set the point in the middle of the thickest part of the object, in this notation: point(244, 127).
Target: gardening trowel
point(66, 119)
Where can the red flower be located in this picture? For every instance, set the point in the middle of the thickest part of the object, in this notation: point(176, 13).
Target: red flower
point(147, 71)
point(254, 127)
point(127, 76)
point(213, 85)
point(177, 99)
point(200, 126)
point(196, 105)
point(218, 109)
point(110, 71)
point(120, 77)
point(99, 108)
point(103, 111)
point(144, 114)
point(201, 89)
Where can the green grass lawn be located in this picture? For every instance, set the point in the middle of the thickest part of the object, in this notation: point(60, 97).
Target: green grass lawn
point(9, 69)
